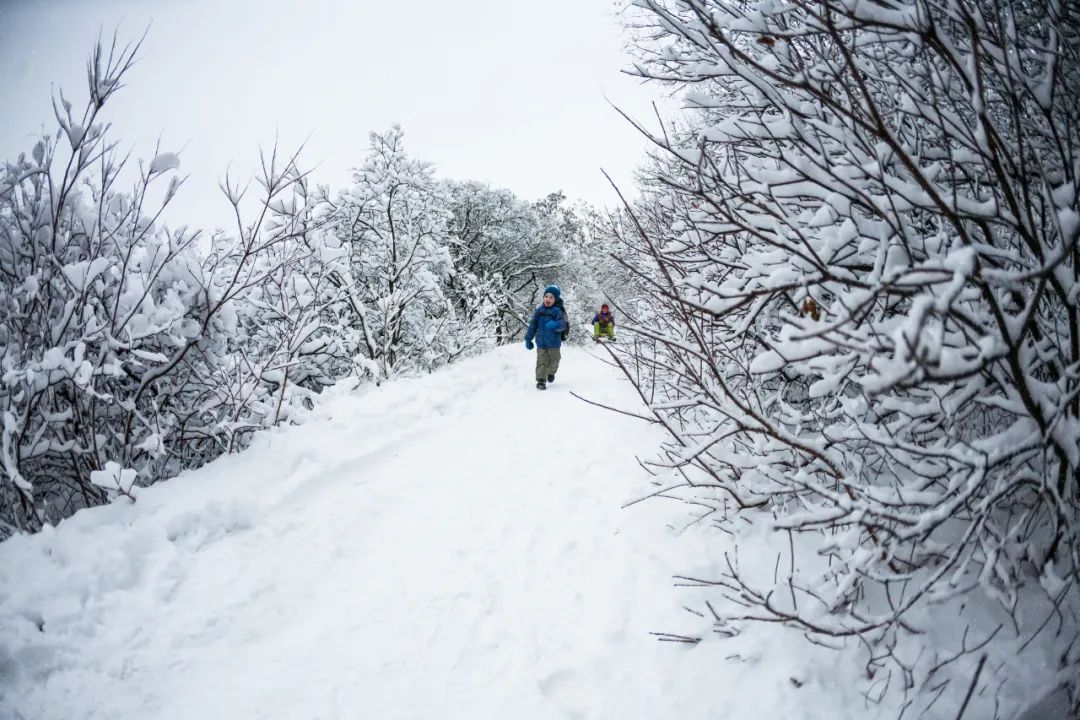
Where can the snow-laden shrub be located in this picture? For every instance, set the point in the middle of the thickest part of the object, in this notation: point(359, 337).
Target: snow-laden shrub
point(288, 342)
point(865, 327)
point(114, 330)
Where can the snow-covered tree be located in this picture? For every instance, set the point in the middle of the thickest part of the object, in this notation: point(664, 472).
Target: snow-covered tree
point(392, 224)
point(563, 226)
point(606, 262)
point(504, 250)
point(866, 330)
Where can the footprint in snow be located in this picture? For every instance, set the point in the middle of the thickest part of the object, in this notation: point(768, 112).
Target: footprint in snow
point(568, 691)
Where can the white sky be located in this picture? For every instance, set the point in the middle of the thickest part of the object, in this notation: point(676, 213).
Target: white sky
point(511, 92)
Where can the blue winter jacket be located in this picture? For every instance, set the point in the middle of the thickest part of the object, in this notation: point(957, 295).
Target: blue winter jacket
point(538, 327)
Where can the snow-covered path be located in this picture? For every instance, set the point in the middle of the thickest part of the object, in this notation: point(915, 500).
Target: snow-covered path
point(444, 547)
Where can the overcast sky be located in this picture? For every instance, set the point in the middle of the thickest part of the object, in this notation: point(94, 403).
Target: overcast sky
point(512, 92)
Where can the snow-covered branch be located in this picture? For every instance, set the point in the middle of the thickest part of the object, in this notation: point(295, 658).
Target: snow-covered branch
point(861, 261)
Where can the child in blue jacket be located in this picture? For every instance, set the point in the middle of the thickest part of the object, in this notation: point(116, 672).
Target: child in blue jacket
point(547, 325)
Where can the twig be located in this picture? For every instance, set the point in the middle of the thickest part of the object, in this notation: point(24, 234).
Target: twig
point(608, 407)
point(971, 688)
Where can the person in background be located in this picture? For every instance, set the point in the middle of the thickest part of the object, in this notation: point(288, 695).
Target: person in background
point(603, 324)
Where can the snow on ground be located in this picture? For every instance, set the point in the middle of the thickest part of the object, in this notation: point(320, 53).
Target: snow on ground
point(450, 546)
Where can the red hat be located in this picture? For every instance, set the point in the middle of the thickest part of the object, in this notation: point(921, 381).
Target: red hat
point(603, 307)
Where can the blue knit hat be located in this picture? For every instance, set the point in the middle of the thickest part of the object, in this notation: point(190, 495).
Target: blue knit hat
point(553, 289)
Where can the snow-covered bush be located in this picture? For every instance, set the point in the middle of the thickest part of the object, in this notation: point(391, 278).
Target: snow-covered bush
point(615, 266)
point(866, 329)
point(113, 328)
point(289, 341)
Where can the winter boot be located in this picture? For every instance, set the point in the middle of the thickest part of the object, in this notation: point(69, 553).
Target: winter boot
point(551, 378)
point(541, 385)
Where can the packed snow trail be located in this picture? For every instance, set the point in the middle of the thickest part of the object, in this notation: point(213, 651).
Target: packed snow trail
point(450, 546)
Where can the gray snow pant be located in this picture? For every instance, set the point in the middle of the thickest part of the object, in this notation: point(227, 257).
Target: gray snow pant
point(547, 362)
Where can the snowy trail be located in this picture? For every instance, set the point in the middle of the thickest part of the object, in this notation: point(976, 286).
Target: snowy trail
point(449, 546)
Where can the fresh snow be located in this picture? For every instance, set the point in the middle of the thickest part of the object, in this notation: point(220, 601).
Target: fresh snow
point(163, 162)
point(450, 546)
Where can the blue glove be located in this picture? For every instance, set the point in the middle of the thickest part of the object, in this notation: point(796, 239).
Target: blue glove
point(528, 345)
point(552, 324)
